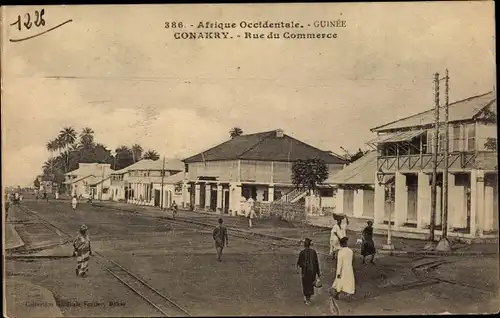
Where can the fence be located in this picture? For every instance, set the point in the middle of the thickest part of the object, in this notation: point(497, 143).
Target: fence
point(292, 212)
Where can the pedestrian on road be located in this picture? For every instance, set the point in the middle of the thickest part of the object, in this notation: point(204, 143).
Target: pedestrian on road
point(250, 212)
point(74, 202)
point(220, 238)
point(339, 231)
point(174, 209)
point(309, 265)
point(83, 251)
point(368, 247)
point(45, 196)
point(57, 195)
point(344, 279)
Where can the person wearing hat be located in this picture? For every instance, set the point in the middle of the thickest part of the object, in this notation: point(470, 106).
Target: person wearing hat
point(83, 251)
point(308, 265)
point(368, 247)
point(344, 279)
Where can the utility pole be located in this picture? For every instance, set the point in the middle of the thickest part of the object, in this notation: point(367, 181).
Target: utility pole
point(162, 180)
point(444, 243)
point(431, 245)
point(102, 183)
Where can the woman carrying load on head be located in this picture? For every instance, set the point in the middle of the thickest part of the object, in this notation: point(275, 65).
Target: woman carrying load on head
point(82, 251)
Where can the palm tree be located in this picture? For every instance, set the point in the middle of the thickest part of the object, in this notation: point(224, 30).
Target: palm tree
point(67, 137)
point(151, 154)
point(86, 136)
point(51, 146)
point(136, 152)
point(235, 132)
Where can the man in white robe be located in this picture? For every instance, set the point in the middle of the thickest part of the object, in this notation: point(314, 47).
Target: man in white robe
point(344, 279)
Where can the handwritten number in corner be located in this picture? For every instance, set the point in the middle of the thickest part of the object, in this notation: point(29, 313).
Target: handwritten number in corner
point(39, 21)
point(27, 24)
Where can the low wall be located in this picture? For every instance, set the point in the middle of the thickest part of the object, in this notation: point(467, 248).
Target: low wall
point(292, 212)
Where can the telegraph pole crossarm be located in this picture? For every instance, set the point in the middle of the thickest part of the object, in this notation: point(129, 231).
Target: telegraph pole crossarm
point(444, 244)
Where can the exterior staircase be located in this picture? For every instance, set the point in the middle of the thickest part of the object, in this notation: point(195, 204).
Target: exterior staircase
point(293, 196)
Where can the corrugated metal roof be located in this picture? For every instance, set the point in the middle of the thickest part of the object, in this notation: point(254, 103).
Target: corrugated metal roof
point(265, 146)
point(148, 164)
point(458, 111)
point(396, 137)
point(361, 171)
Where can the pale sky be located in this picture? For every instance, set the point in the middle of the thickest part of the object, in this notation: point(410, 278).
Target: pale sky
point(135, 84)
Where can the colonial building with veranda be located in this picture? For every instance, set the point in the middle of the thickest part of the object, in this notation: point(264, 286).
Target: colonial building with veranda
point(404, 159)
point(257, 166)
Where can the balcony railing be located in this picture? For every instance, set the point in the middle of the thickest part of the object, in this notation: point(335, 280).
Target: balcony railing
point(458, 160)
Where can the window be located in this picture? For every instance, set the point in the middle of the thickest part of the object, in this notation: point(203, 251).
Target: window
point(266, 195)
point(456, 139)
point(277, 195)
point(471, 137)
point(326, 192)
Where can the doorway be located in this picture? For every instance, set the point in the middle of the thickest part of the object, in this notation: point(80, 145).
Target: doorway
point(226, 202)
point(157, 197)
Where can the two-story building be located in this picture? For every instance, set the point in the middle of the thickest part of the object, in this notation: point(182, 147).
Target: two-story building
point(119, 191)
point(404, 159)
point(254, 165)
point(143, 181)
point(86, 180)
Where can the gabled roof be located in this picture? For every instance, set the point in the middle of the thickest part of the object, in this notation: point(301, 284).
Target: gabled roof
point(265, 146)
point(148, 164)
point(85, 169)
point(96, 180)
point(361, 171)
point(461, 110)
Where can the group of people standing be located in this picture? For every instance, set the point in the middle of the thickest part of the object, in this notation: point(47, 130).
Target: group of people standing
point(344, 281)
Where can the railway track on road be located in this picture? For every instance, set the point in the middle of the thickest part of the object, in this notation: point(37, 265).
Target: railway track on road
point(163, 304)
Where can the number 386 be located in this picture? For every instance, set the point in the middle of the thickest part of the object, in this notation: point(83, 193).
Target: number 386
point(174, 25)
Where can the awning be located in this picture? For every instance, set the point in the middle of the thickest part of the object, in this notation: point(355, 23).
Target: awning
point(399, 136)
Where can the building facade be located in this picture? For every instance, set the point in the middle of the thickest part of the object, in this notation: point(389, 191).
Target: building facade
point(404, 158)
point(141, 178)
point(256, 166)
point(87, 176)
point(356, 187)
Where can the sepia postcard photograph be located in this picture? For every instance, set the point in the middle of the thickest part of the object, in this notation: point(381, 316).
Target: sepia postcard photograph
point(259, 159)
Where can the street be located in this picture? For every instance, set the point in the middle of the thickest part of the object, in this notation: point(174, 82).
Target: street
point(178, 259)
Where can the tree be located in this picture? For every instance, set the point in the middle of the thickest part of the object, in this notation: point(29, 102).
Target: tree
point(136, 152)
point(86, 136)
point(489, 117)
point(309, 174)
point(235, 132)
point(36, 183)
point(151, 154)
point(67, 138)
point(123, 157)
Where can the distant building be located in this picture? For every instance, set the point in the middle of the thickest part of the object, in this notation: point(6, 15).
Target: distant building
point(142, 182)
point(90, 180)
point(257, 166)
point(404, 152)
point(355, 187)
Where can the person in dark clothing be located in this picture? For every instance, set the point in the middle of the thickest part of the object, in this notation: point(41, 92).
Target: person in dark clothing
point(309, 265)
point(368, 247)
point(220, 238)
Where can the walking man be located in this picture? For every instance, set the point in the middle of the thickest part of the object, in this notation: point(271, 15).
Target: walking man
point(368, 247)
point(309, 265)
point(220, 238)
point(174, 209)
